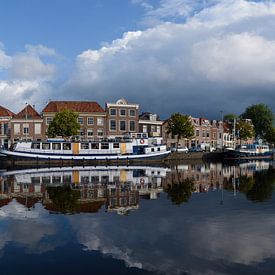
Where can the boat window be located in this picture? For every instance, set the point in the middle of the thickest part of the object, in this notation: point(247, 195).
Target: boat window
point(85, 145)
point(144, 135)
point(139, 135)
point(95, 145)
point(116, 145)
point(56, 146)
point(152, 149)
point(36, 145)
point(46, 146)
point(158, 149)
point(105, 146)
point(46, 179)
point(66, 146)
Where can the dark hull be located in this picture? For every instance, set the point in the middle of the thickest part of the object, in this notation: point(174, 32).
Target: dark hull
point(235, 155)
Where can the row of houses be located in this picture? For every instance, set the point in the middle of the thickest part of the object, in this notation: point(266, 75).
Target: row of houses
point(96, 123)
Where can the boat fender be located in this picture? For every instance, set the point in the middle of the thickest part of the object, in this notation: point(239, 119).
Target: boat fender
point(142, 141)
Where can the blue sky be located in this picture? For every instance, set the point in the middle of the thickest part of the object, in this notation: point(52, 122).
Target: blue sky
point(167, 55)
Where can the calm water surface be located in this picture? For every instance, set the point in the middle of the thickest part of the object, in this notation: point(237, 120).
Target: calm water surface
point(187, 219)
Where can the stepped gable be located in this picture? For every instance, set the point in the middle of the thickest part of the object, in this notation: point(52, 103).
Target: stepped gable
point(28, 111)
point(4, 112)
point(76, 106)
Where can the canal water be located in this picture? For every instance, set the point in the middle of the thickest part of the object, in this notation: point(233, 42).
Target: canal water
point(204, 218)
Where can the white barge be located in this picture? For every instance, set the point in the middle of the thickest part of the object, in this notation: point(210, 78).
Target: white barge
point(136, 146)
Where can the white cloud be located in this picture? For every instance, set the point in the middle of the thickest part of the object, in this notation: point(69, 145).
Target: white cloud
point(223, 52)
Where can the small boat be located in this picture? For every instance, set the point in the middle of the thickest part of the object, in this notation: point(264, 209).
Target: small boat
point(249, 151)
point(134, 146)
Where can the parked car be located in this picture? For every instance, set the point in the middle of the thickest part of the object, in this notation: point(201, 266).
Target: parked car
point(183, 149)
point(195, 149)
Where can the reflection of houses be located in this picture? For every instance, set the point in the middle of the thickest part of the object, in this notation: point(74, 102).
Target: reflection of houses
point(118, 189)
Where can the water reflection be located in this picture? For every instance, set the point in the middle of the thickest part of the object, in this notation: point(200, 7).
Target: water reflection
point(196, 236)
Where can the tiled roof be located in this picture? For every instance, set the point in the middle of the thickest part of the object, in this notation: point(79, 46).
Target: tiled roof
point(4, 112)
point(76, 106)
point(28, 112)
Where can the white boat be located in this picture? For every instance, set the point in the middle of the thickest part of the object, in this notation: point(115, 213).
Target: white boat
point(135, 146)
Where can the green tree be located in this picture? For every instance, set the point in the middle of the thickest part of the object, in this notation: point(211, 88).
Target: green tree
point(270, 135)
point(262, 118)
point(180, 126)
point(245, 130)
point(230, 117)
point(64, 124)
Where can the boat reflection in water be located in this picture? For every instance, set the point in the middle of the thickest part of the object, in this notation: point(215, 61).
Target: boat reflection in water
point(87, 189)
point(175, 223)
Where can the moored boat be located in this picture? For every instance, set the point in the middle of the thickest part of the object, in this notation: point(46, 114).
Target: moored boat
point(135, 146)
point(249, 151)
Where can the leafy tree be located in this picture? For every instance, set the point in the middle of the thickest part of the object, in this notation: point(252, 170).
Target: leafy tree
point(245, 130)
point(262, 118)
point(230, 117)
point(270, 135)
point(181, 126)
point(64, 124)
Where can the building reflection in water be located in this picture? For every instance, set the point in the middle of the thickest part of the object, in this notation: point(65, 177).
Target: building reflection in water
point(88, 189)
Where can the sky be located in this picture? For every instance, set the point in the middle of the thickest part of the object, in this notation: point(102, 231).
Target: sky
point(194, 57)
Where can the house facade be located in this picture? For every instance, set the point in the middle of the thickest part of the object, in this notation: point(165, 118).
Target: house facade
point(5, 126)
point(27, 125)
point(91, 117)
point(150, 123)
point(121, 117)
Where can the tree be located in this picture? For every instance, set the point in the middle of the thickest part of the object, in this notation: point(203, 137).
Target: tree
point(270, 135)
point(230, 117)
point(64, 124)
point(181, 126)
point(262, 118)
point(245, 130)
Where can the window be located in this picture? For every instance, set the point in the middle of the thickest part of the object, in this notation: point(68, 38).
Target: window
point(144, 128)
point(207, 134)
point(26, 130)
point(49, 120)
point(132, 112)
point(37, 128)
point(113, 112)
point(158, 129)
point(104, 145)
point(56, 146)
point(113, 125)
point(81, 132)
point(84, 145)
point(16, 128)
point(100, 133)
point(46, 146)
point(6, 128)
point(90, 133)
point(122, 125)
point(122, 112)
point(153, 128)
point(116, 145)
point(80, 120)
point(95, 145)
point(132, 125)
point(90, 120)
point(100, 121)
point(66, 146)
point(35, 145)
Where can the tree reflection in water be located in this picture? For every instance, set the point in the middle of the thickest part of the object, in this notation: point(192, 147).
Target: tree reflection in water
point(180, 190)
point(64, 198)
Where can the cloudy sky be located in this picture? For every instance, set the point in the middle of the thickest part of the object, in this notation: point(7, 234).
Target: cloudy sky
point(195, 57)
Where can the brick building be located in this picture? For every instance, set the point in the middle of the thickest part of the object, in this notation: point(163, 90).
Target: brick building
point(5, 126)
point(91, 117)
point(150, 123)
point(27, 125)
point(122, 117)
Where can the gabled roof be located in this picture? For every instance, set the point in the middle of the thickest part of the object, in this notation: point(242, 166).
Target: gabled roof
point(76, 106)
point(4, 112)
point(28, 113)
